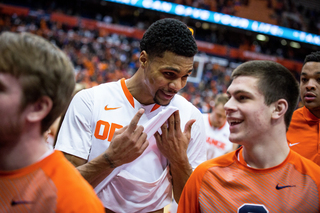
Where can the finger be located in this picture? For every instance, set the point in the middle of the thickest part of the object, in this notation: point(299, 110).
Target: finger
point(133, 124)
point(164, 130)
point(144, 145)
point(143, 142)
point(119, 131)
point(187, 128)
point(137, 133)
point(157, 136)
point(177, 120)
point(171, 121)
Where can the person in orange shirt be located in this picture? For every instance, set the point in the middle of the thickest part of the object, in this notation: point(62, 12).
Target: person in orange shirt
point(36, 83)
point(264, 175)
point(303, 133)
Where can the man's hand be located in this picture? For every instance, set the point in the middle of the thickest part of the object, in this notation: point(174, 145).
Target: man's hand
point(173, 143)
point(128, 143)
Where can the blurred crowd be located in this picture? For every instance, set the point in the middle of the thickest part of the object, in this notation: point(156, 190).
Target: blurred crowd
point(100, 56)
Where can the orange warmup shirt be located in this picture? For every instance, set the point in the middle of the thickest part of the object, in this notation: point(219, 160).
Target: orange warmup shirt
point(303, 134)
point(228, 184)
point(50, 185)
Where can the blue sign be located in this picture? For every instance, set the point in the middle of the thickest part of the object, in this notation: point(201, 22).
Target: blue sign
point(224, 19)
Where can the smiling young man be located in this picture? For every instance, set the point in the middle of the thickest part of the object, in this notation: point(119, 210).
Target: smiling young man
point(128, 174)
point(264, 175)
point(303, 133)
point(36, 83)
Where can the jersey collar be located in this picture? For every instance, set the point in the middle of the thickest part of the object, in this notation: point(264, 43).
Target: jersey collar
point(130, 97)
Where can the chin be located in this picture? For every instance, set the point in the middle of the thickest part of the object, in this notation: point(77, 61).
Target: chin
point(162, 103)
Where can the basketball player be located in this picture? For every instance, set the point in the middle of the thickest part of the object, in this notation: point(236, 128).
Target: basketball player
point(264, 175)
point(303, 132)
point(132, 172)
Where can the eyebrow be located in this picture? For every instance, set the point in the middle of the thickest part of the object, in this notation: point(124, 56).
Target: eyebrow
point(316, 73)
point(176, 70)
point(238, 91)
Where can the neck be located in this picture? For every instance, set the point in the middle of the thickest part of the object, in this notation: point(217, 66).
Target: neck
point(137, 88)
point(266, 153)
point(23, 152)
point(315, 112)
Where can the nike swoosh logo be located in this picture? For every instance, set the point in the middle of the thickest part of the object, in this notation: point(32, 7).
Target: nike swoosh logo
point(13, 202)
point(293, 144)
point(285, 186)
point(106, 108)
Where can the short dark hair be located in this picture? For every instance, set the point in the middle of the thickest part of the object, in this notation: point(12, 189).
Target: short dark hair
point(314, 57)
point(168, 35)
point(274, 82)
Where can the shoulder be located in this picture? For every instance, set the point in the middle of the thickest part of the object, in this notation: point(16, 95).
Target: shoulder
point(73, 191)
point(305, 166)
point(298, 113)
point(221, 161)
point(184, 105)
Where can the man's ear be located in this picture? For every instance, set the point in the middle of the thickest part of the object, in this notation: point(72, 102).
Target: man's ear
point(143, 58)
point(40, 109)
point(280, 108)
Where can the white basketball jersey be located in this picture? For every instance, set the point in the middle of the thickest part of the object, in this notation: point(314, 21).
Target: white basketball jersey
point(217, 139)
point(88, 127)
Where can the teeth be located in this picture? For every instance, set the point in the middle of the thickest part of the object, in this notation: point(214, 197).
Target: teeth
point(234, 121)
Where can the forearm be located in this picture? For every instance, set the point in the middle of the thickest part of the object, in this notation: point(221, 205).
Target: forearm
point(96, 170)
point(180, 175)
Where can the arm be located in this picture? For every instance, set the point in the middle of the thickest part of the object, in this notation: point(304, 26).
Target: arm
point(173, 144)
point(127, 144)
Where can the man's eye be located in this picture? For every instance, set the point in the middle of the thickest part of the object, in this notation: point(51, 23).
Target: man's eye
point(304, 80)
point(242, 97)
point(169, 74)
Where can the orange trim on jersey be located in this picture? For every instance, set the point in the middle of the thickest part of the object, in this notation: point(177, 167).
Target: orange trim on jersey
point(155, 107)
point(126, 92)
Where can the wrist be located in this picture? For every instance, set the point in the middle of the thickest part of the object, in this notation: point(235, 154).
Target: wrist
point(108, 160)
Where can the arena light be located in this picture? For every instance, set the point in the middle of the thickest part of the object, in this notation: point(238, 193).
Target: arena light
point(261, 37)
point(284, 42)
point(223, 19)
point(295, 45)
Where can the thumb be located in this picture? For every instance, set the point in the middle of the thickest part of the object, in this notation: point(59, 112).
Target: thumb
point(120, 131)
point(187, 127)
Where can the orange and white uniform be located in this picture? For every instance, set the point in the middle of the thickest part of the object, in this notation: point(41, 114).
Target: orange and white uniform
point(303, 134)
point(228, 184)
point(88, 127)
point(217, 138)
point(49, 185)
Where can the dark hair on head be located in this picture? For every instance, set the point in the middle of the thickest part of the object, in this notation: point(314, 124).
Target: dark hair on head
point(168, 35)
point(314, 57)
point(274, 82)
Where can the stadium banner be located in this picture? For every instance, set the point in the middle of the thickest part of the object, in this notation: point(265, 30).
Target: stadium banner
point(223, 19)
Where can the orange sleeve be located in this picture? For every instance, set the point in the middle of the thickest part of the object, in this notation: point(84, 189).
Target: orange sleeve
point(74, 193)
point(307, 167)
point(189, 200)
point(303, 134)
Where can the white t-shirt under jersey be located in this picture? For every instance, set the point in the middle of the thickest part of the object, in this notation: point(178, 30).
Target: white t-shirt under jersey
point(91, 119)
point(217, 139)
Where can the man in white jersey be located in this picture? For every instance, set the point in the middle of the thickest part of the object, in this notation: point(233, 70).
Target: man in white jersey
point(130, 173)
point(217, 129)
